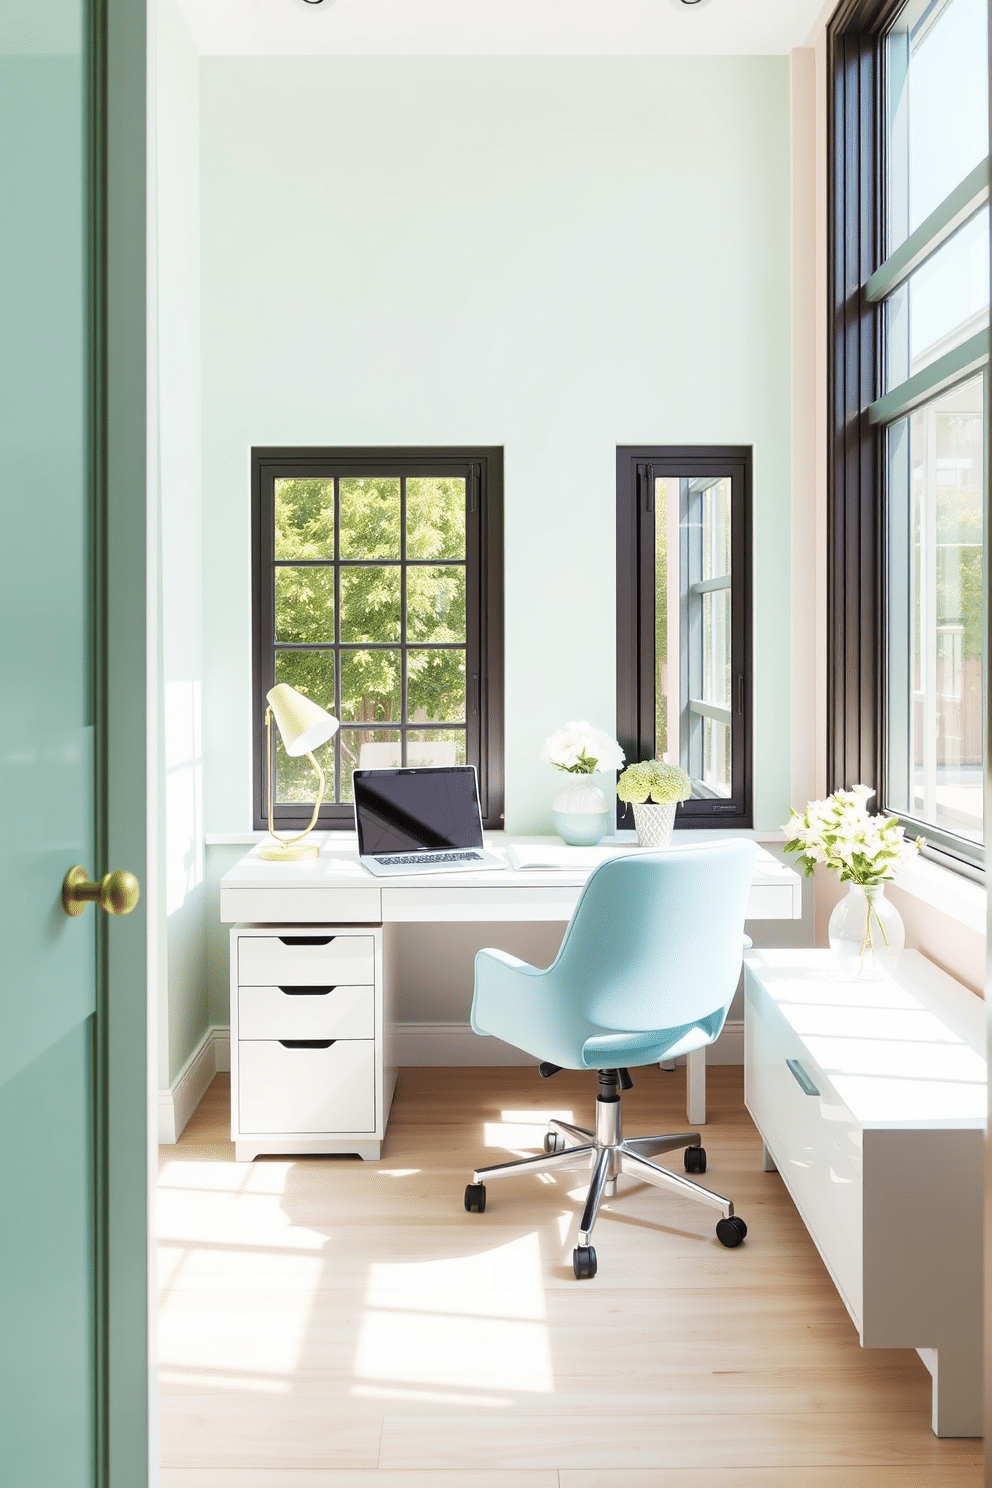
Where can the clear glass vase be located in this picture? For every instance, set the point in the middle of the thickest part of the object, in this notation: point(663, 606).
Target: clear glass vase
point(580, 812)
point(866, 932)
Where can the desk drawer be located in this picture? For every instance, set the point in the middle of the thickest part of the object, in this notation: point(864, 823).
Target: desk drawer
point(306, 1092)
point(346, 1012)
point(305, 960)
point(822, 1180)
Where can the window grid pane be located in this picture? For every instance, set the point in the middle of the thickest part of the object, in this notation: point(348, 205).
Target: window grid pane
point(935, 460)
point(391, 633)
point(936, 62)
point(706, 584)
point(943, 303)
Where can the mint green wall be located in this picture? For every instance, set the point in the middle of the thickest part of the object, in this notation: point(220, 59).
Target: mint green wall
point(183, 904)
point(555, 255)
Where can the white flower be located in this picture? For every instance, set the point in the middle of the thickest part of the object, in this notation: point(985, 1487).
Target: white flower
point(841, 833)
point(581, 749)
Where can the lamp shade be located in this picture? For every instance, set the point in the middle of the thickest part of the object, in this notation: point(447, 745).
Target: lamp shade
point(303, 724)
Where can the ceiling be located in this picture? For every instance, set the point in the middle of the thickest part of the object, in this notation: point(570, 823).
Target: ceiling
point(500, 27)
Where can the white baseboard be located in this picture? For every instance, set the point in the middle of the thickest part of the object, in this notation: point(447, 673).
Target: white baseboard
point(454, 1044)
point(451, 1045)
point(177, 1104)
point(729, 1047)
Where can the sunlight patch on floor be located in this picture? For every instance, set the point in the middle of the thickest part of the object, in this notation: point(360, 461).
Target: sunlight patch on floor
point(432, 1397)
point(218, 1379)
point(465, 1323)
point(236, 1204)
point(522, 1131)
point(225, 1177)
point(261, 1344)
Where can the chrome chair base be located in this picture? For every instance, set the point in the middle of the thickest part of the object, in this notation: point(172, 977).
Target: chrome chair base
point(610, 1156)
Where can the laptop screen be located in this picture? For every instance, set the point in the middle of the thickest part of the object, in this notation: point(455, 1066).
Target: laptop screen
point(419, 809)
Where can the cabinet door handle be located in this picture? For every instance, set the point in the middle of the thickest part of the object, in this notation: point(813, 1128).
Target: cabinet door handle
point(306, 991)
point(801, 1078)
point(307, 1043)
point(306, 939)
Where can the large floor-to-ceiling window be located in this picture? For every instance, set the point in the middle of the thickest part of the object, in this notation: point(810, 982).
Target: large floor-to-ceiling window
point(910, 304)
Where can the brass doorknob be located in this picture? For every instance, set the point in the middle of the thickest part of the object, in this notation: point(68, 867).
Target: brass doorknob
point(117, 893)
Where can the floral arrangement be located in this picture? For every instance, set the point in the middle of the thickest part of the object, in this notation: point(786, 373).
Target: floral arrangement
point(653, 780)
point(580, 749)
point(841, 833)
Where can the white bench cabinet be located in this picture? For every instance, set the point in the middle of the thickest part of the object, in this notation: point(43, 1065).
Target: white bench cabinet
point(311, 1051)
point(870, 1098)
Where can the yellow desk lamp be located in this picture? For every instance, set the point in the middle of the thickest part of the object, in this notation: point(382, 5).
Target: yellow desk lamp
point(304, 726)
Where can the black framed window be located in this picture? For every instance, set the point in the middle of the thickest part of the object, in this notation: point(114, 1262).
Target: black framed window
point(378, 592)
point(684, 622)
point(909, 302)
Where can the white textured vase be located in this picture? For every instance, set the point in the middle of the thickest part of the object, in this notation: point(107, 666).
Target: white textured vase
point(580, 812)
point(654, 823)
point(866, 932)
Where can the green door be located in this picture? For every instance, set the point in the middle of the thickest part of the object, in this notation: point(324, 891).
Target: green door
point(73, 1337)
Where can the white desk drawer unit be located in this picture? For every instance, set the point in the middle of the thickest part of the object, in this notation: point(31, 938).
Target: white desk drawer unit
point(297, 959)
point(870, 1099)
point(310, 1021)
point(290, 1012)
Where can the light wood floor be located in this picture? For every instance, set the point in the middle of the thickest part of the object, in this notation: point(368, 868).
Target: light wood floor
point(327, 1323)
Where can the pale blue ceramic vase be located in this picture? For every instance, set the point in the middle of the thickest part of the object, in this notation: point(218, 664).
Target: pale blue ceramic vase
point(580, 812)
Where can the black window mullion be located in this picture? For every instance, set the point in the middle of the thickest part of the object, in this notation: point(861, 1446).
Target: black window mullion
point(404, 668)
point(856, 234)
point(647, 517)
point(338, 700)
point(474, 620)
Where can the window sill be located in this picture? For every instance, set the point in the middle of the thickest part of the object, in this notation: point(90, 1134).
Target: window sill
point(249, 839)
point(954, 894)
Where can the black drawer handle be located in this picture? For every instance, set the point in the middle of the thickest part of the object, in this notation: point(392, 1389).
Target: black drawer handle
point(801, 1078)
point(306, 939)
point(306, 991)
point(307, 1043)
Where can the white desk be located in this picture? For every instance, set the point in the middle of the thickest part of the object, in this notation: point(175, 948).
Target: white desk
point(335, 889)
point(870, 1098)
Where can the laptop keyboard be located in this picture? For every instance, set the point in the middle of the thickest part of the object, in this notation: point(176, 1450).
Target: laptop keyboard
point(442, 857)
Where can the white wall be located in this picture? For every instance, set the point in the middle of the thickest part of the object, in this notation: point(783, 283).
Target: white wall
point(554, 255)
point(182, 961)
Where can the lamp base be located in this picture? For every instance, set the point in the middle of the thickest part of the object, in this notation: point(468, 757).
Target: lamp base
point(288, 852)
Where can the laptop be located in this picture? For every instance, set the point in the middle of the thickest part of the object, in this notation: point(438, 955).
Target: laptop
point(424, 819)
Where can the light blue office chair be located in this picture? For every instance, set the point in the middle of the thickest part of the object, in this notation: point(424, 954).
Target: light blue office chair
point(647, 970)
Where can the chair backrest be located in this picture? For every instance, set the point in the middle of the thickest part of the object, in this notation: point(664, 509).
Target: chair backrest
point(656, 939)
point(386, 756)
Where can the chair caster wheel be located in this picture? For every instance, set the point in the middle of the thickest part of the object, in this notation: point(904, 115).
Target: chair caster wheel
point(731, 1232)
point(694, 1159)
point(475, 1198)
point(584, 1262)
point(554, 1142)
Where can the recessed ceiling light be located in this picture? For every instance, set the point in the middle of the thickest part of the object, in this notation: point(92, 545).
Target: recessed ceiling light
point(688, 4)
